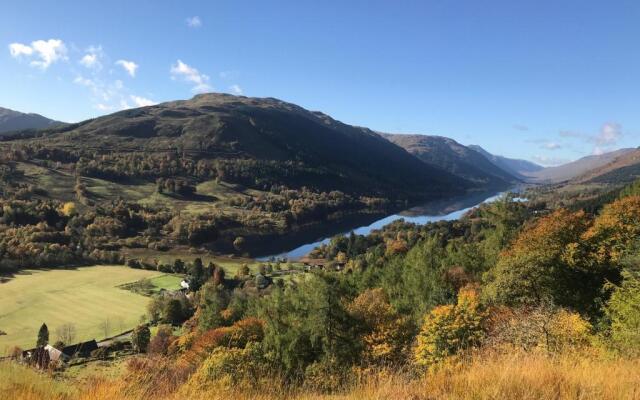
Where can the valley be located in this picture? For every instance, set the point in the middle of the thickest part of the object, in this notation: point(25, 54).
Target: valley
point(234, 230)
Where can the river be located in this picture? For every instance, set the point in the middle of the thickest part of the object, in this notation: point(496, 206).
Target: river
point(440, 210)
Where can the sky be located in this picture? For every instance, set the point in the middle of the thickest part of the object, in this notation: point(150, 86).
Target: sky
point(546, 80)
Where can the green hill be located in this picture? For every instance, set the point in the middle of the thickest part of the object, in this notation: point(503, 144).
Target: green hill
point(254, 142)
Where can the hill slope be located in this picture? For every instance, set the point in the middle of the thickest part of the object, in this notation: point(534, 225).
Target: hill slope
point(624, 168)
point(11, 120)
point(576, 168)
point(454, 158)
point(518, 168)
point(258, 143)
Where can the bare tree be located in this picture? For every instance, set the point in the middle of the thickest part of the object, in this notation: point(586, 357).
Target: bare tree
point(106, 327)
point(66, 333)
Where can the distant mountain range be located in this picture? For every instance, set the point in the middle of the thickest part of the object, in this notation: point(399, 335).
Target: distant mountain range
point(574, 169)
point(623, 166)
point(518, 168)
point(11, 120)
point(459, 160)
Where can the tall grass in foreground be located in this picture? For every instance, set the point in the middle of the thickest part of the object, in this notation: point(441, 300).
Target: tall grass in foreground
point(492, 376)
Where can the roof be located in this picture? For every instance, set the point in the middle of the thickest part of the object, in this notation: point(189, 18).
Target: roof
point(83, 348)
point(54, 354)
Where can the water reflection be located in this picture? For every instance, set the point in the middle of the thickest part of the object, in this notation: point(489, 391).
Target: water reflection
point(441, 210)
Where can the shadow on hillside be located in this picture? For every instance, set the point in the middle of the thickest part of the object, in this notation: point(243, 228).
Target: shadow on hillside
point(7, 276)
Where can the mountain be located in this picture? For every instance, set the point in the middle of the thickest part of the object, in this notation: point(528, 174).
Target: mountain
point(11, 120)
point(451, 156)
point(257, 142)
point(623, 168)
point(518, 168)
point(577, 168)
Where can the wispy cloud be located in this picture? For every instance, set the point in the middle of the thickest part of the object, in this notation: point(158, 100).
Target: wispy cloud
point(552, 146)
point(235, 89)
point(92, 57)
point(547, 161)
point(129, 66)
point(45, 52)
point(194, 22)
point(520, 127)
point(142, 101)
point(183, 71)
point(606, 139)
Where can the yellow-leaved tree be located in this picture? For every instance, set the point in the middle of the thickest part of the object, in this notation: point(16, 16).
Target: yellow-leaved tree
point(386, 335)
point(450, 329)
point(614, 230)
point(69, 208)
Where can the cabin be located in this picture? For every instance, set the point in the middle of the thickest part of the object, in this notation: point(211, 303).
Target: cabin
point(38, 357)
point(82, 349)
point(311, 264)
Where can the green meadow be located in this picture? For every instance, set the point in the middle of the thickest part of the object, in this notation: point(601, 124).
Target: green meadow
point(88, 298)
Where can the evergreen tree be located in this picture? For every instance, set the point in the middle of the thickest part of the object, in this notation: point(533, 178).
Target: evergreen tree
point(43, 336)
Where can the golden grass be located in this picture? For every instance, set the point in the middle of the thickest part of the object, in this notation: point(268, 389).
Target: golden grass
point(491, 376)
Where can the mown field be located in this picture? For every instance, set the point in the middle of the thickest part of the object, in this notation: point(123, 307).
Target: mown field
point(88, 297)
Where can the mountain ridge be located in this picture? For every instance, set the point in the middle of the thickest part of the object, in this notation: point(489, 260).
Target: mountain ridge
point(11, 120)
point(516, 167)
point(454, 158)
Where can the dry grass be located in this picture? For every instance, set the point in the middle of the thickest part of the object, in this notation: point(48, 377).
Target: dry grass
point(493, 376)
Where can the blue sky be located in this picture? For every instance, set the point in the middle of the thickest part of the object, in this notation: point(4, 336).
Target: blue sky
point(548, 81)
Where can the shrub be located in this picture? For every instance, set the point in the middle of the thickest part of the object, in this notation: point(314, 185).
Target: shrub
point(159, 345)
point(546, 328)
point(622, 311)
point(232, 367)
point(140, 338)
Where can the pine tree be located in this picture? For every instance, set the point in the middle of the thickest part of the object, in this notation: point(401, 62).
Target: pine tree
point(43, 336)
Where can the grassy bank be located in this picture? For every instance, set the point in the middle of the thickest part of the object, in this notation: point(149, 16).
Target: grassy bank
point(494, 376)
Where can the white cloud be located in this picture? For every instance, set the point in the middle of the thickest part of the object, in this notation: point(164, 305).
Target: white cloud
point(141, 101)
point(194, 22)
point(609, 134)
point(235, 89)
point(128, 66)
point(89, 60)
point(47, 52)
point(604, 141)
point(19, 49)
point(189, 74)
point(92, 57)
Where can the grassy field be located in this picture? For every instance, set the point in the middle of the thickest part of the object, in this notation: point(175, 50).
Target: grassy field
point(86, 297)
